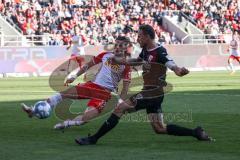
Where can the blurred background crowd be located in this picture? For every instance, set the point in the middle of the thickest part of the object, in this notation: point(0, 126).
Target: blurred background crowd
point(100, 21)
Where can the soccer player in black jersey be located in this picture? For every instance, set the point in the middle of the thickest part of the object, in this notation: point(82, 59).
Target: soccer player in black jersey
point(155, 61)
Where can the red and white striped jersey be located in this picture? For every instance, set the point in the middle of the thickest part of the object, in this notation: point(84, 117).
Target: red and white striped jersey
point(110, 74)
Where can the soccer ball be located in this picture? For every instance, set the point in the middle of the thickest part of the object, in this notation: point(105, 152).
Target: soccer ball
point(42, 110)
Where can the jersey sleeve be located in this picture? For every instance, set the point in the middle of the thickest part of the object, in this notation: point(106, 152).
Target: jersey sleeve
point(163, 56)
point(98, 59)
point(127, 73)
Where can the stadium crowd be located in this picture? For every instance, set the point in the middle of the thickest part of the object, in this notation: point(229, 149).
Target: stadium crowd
point(100, 21)
point(211, 16)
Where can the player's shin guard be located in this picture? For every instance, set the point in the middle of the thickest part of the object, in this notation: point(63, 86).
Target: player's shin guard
point(108, 125)
point(179, 131)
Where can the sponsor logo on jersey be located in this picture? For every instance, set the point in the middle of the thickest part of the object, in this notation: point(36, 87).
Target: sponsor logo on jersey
point(114, 67)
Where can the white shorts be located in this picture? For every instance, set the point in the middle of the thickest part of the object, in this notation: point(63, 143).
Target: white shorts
point(79, 53)
point(235, 53)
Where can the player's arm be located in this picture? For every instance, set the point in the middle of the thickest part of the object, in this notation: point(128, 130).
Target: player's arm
point(129, 61)
point(126, 82)
point(169, 63)
point(96, 59)
point(82, 70)
point(124, 90)
point(179, 71)
point(85, 67)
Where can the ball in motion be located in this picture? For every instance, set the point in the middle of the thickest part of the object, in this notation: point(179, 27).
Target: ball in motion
point(42, 110)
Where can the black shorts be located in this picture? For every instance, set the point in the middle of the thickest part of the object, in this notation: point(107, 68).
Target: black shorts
point(152, 105)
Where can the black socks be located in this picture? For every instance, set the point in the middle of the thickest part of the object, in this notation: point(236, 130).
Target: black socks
point(108, 125)
point(179, 131)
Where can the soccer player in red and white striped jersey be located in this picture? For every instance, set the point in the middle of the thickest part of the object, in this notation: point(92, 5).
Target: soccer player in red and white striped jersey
point(99, 89)
point(234, 52)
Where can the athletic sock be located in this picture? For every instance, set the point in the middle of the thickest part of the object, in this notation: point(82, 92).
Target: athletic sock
point(54, 100)
point(75, 123)
point(108, 125)
point(179, 131)
point(231, 67)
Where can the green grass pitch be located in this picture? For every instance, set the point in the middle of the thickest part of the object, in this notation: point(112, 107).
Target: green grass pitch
point(209, 99)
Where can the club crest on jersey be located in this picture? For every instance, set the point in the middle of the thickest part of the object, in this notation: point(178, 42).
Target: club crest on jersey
point(150, 58)
point(115, 67)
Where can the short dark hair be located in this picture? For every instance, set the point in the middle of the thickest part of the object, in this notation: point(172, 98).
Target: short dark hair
point(148, 30)
point(123, 38)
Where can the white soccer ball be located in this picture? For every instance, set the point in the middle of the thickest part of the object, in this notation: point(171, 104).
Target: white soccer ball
point(42, 110)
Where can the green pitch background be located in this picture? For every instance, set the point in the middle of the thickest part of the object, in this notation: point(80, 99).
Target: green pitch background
point(209, 99)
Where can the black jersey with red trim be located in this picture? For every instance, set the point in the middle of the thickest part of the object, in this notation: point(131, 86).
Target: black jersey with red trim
point(154, 70)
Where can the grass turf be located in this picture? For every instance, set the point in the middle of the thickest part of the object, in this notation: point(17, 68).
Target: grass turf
point(210, 99)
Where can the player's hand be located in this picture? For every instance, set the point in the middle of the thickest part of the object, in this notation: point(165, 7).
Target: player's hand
point(181, 71)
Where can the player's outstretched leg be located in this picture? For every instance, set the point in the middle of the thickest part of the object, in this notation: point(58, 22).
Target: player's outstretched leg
point(171, 129)
point(67, 124)
point(198, 132)
point(89, 114)
point(52, 101)
point(108, 125)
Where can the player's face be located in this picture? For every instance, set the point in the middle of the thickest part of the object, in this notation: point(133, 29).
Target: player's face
point(142, 39)
point(121, 48)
